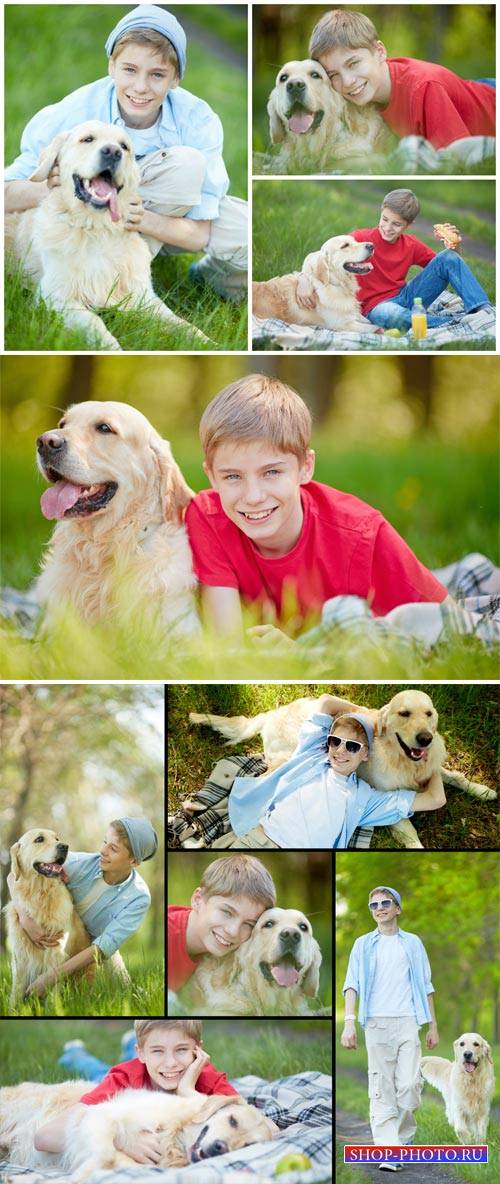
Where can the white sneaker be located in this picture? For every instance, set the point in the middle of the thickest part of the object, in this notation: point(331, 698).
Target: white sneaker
point(390, 1167)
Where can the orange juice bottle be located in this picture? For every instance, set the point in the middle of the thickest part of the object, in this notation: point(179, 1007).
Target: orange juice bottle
point(418, 319)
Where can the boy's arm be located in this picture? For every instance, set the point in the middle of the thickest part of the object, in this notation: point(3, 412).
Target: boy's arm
point(433, 797)
point(35, 932)
point(52, 1135)
point(88, 957)
point(349, 1037)
point(186, 233)
point(432, 1036)
point(24, 195)
point(222, 611)
point(332, 705)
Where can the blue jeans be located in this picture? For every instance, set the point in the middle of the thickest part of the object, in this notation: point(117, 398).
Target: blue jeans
point(446, 268)
point(80, 1061)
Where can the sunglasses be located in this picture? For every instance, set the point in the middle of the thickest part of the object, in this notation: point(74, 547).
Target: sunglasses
point(380, 904)
point(349, 745)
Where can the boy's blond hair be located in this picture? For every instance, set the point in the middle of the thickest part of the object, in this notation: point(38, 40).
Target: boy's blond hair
point(155, 41)
point(402, 202)
point(341, 29)
point(257, 407)
point(191, 1028)
point(239, 875)
point(357, 730)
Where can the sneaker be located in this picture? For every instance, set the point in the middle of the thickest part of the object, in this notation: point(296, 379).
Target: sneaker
point(390, 1167)
point(73, 1044)
point(231, 287)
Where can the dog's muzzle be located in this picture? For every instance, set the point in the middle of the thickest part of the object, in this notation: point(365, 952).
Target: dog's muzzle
point(101, 191)
point(218, 1147)
point(284, 971)
point(55, 868)
point(417, 754)
point(364, 266)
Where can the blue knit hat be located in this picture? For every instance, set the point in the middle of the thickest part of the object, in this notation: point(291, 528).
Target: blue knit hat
point(385, 888)
point(150, 16)
point(360, 719)
point(142, 837)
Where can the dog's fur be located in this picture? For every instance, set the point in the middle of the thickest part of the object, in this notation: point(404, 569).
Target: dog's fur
point(135, 538)
point(190, 1128)
point(333, 133)
point(332, 273)
point(409, 715)
point(467, 1085)
point(247, 982)
point(75, 245)
point(45, 897)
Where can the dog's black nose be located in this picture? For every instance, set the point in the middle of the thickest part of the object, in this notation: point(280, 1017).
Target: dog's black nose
point(110, 152)
point(295, 85)
point(423, 739)
point(290, 936)
point(467, 1056)
point(51, 440)
point(62, 850)
point(218, 1147)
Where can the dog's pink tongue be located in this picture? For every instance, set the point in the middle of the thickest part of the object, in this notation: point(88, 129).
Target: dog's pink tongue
point(468, 1067)
point(113, 207)
point(300, 123)
point(286, 976)
point(60, 497)
point(103, 188)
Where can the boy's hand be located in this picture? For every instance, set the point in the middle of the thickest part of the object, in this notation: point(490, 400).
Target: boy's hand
point(41, 940)
point(143, 1147)
point(54, 177)
point(349, 1037)
point(305, 295)
point(190, 1076)
point(269, 637)
point(448, 234)
point(135, 214)
point(41, 984)
point(432, 1037)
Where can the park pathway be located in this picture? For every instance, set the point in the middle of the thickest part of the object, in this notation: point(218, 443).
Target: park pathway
point(349, 1128)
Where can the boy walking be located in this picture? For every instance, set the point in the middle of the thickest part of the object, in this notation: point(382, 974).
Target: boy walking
point(389, 974)
point(182, 204)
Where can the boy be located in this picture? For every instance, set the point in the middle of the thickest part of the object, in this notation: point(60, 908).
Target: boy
point(316, 798)
point(268, 534)
point(414, 97)
point(177, 140)
point(232, 894)
point(386, 299)
point(109, 895)
point(389, 973)
point(169, 1057)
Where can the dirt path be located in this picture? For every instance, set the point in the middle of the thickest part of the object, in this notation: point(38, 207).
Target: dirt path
point(351, 1129)
point(226, 53)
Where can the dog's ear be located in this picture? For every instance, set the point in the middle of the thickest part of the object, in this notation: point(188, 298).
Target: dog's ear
point(320, 269)
point(381, 721)
point(49, 157)
point(15, 865)
point(216, 1102)
point(310, 984)
point(174, 491)
point(276, 125)
point(487, 1049)
point(264, 1126)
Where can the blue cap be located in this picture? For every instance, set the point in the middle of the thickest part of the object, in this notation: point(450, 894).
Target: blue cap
point(360, 719)
point(142, 837)
point(150, 16)
point(385, 888)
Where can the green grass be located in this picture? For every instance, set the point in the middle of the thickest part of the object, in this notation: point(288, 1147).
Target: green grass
point(267, 1049)
point(31, 35)
point(468, 719)
point(105, 996)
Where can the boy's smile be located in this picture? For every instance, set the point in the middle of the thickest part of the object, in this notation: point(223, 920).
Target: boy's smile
point(360, 75)
point(259, 488)
point(142, 80)
point(391, 225)
point(220, 924)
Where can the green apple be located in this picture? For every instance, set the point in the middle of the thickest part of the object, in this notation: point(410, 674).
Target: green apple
point(295, 1162)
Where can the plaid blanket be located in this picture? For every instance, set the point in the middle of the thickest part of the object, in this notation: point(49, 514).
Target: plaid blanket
point(299, 1105)
point(271, 333)
point(206, 819)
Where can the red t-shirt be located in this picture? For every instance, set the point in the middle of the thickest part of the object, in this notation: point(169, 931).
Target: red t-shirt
point(391, 264)
point(180, 966)
point(134, 1075)
point(345, 547)
point(429, 100)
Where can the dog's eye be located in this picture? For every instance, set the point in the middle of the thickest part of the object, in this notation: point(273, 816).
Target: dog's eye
point(268, 924)
point(429, 713)
point(87, 140)
point(125, 147)
point(476, 1043)
point(404, 714)
point(283, 77)
point(233, 1121)
point(314, 74)
point(462, 1042)
point(40, 839)
point(303, 927)
point(344, 246)
point(105, 429)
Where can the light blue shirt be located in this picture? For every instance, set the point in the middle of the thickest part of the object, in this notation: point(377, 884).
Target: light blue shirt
point(185, 120)
point(110, 912)
point(361, 973)
point(305, 803)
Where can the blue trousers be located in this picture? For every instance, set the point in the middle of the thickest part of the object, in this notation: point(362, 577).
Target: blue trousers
point(446, 268)
point(77, 1058)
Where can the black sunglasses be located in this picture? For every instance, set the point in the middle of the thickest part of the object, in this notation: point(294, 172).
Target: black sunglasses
point(350, 745)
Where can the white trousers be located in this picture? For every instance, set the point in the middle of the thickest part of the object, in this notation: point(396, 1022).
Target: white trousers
point(171, 183)
point(394, 1087)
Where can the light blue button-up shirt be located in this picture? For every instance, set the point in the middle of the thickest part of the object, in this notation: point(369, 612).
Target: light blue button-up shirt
point(361, 972)
point(305, 803)
point(185, 120)
point(110, 912)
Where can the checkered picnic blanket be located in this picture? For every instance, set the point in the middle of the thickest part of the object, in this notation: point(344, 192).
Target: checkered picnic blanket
point(207, 818)
point(299, 1105)
point(269, 332)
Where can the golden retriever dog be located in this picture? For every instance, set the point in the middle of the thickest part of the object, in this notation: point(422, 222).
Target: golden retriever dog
point(407, 748)
point(119, 499)
point(191, 1128)
point(467, 1085)
point(37, 862)
point(273, 973)
point(332, 272)
point(75, 245)
point(316, 129)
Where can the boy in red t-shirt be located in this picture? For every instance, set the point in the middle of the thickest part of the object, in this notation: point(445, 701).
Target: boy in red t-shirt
point(385, 297)
point(232, 894)
point(269, 535)
point(414, 97)
point(169, 1057)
